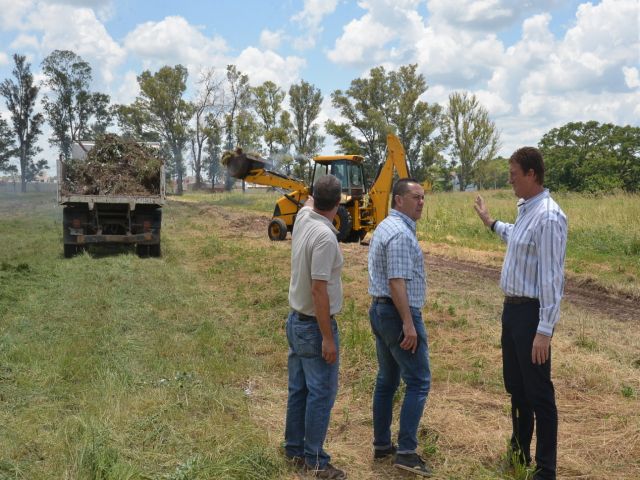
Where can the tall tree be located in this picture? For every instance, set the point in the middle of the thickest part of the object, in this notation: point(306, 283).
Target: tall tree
point(267, 102)
point(70, 106)
point(305, 101)
point(417, 123)
point(7, 147)
point(237, 100)
point(208, 107)
point(161, 109)
point(592, 157)
point(213, 151)
point(20, 96)
point(475, 136)
point(389, 102)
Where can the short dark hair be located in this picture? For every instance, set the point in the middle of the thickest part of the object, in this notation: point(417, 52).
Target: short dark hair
point(400, 188)
point(326, 193)
point(530, 158)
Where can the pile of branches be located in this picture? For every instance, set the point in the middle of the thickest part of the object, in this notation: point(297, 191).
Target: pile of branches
point(114, 166)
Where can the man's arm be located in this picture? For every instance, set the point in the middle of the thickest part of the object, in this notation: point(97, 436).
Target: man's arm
point(398, 289)
point(320, 298)
point(552, 244)
point(483, 211)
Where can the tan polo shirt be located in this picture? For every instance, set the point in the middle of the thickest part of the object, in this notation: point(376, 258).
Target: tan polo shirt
point(315, 254)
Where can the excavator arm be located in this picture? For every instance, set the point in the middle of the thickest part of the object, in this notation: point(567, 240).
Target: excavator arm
point(383, 183)
point(251, 168)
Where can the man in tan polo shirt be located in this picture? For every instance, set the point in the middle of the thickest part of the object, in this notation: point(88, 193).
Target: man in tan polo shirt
point(315, 296)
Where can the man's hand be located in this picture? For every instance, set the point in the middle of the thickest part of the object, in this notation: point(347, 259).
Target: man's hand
point(540, 350)
point(482, 211)
point(329, 351)
point(410, 340)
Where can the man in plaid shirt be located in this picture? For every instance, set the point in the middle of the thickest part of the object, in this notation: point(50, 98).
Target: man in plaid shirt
point(397, 284)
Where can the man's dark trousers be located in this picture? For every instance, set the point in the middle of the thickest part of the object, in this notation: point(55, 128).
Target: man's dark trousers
point(531, 389)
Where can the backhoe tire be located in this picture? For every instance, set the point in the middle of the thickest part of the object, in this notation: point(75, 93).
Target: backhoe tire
point(277, 230)
point(343, 223)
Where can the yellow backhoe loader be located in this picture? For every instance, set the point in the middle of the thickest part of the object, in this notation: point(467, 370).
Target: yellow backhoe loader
point(360, 209)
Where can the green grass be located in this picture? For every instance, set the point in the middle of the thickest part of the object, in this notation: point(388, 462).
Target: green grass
point(111, 362)
point(603, 238)
point(116, 367)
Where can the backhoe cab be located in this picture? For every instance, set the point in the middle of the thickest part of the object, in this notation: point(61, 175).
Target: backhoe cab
point(360, 210)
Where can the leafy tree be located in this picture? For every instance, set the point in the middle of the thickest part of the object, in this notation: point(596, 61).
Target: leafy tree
point(417, 123)
point(20, 96)
point(592, 157)
point(238, 99)
point(267, 102)
point(208, 107)
point(7, 147)
point(160, 111)
point(305, 101)
point(493, 173)
point(475, 137)
point(214, 152)
point(70, 106)
point(388, 102)
point(248, 131)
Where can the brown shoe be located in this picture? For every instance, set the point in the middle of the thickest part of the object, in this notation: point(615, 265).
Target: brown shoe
point(329, 471)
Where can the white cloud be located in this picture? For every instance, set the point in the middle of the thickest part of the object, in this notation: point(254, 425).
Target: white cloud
point(270, 40)
point(4, 59)
point(127, 90)
point(385, 33)
point(631, 77)
point(261, 66)
point(103, 8)
point(12, 17)
point(66, 28)
point(172, 41)
point(310, 21)
point(23, 42)
point(485, 15)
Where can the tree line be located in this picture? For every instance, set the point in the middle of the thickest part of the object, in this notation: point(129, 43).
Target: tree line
point(225, 112)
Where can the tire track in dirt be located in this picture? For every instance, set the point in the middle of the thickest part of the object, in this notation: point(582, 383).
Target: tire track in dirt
point(589, 296)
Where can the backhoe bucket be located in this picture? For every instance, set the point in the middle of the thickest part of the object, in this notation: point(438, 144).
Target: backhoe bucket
point(239, 164)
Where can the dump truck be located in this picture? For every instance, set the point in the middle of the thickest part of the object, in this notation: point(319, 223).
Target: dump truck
point(112, 191)
point(361, 209)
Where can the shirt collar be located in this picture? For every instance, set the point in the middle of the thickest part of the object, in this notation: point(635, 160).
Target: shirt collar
point(323, 219)
point(526, 204)
point(410, 223)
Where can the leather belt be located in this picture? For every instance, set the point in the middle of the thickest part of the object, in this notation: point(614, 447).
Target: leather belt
point(385, 300)
point(309, 318)
point(519, 300)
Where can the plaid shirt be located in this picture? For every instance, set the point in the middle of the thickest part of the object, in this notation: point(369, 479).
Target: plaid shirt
point(394, 252)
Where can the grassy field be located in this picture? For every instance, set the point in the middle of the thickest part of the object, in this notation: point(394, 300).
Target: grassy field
point(115, 367)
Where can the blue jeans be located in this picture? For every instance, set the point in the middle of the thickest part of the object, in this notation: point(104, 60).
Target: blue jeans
point(313, 385)
point(395, 363)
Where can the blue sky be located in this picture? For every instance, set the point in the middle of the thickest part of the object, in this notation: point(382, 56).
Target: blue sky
point(534, 64)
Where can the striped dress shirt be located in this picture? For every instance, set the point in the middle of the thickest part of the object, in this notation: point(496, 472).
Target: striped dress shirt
point(394, 252)
point(534, 264)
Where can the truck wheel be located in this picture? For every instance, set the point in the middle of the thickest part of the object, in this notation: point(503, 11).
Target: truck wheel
point(277, 230)
point(154, 250)
point(343, 223)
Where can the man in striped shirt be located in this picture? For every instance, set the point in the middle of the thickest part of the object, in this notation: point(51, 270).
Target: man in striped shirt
point(532, 280)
